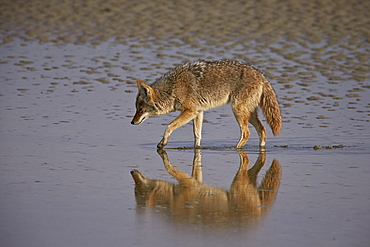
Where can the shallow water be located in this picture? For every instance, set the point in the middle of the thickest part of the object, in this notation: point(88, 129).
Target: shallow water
point(67, 146)
point(67, 149)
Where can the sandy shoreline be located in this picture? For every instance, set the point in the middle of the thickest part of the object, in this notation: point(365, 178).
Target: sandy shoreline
point(216, 22)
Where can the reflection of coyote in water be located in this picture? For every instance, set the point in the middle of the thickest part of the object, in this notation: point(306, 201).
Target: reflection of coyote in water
point(192, 201)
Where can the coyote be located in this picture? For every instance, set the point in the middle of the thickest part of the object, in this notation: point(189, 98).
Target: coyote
point(192, 201)
point(193, 88)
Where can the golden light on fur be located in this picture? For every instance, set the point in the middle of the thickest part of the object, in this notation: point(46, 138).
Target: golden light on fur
point(193, 88)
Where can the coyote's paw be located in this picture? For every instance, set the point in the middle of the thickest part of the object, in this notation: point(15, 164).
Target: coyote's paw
point(161, 144)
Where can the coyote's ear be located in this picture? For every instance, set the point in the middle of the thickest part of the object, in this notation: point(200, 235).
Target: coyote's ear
point(144, 89)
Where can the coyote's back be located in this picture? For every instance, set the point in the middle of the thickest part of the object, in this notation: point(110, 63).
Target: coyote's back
point(195, 87)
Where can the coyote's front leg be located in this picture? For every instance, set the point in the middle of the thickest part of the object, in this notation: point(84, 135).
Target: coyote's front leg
point(181, 119)
point(197, 129)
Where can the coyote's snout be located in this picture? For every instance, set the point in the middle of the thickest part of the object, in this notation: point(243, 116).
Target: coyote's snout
point(193, 88)
point(192, 201)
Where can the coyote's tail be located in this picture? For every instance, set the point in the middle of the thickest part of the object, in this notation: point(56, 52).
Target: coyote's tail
point(270, 108)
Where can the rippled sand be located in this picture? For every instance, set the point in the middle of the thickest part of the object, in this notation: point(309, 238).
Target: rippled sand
point(92, 21)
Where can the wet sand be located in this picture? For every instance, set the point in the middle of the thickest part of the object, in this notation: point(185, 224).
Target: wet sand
point(68, 72)
point(218, 22)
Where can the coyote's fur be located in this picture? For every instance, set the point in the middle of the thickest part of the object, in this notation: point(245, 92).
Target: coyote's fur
point(196, 87)
point(192, 201)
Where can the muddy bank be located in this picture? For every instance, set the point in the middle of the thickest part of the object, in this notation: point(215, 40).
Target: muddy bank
point(217, 22)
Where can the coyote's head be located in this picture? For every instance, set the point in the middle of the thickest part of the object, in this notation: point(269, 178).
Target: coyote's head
point(145, 106)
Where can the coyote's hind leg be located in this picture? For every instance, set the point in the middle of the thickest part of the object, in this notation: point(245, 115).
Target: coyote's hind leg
point(259, 127)
point(242, 117)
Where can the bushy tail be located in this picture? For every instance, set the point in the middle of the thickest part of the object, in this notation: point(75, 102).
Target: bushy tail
point(270, 108)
